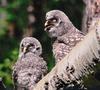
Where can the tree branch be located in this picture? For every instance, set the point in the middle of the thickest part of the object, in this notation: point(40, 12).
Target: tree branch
point(77, 64)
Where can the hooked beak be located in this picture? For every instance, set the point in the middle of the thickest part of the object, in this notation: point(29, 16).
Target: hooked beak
point(46, 24)
point(24, 50)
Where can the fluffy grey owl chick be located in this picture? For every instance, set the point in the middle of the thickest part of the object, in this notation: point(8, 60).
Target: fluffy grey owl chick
point(30, 66)
point(65, 36)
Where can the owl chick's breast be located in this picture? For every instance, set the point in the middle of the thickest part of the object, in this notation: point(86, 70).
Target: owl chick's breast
point(29, 70)
point(64, 44)
point(60, 51)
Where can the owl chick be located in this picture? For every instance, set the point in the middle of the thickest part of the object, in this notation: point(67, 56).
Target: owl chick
point(63, 33)
point(30, 66)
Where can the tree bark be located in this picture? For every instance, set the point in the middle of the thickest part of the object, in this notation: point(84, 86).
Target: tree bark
point(35, 16)
point(77, 64)
point(31, 20)
point(92, 9)
point(3, 3)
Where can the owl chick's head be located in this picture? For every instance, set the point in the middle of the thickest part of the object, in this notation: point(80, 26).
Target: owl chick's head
point(30, 44)
point(57, 23)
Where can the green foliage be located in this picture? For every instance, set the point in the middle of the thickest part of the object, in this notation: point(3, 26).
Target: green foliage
point(16, 11)
point(8, 57)
point(6, 66)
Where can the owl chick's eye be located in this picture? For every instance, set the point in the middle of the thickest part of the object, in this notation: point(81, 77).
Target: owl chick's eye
point(37, 48)
point(31, 45)
point(53, 20)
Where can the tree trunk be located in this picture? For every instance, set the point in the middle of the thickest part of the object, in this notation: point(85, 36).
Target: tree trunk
point(77, 64)
point(92, 9)
point(31, 20)
point(3, 3)
point(35, 17)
